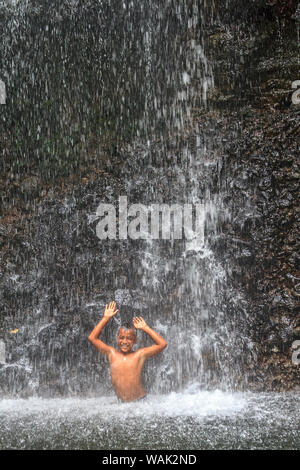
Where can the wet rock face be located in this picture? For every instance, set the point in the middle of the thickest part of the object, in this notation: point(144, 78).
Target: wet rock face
point(284, 8)
point(263, 241)
point(245, 10)
point(260, 175)
point(262, 178)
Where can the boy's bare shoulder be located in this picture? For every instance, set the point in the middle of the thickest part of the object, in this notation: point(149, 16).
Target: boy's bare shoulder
point(141, 353)
point(113, 353)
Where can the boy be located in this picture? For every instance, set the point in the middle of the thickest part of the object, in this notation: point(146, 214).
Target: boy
point(126, 365)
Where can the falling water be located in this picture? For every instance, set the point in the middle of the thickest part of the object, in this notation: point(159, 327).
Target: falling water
point(181, 284)
point(133, 77)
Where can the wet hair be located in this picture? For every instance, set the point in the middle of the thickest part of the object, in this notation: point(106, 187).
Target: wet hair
point(129, 326)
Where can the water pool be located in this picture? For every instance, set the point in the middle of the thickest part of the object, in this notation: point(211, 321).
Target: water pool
point(187, 420)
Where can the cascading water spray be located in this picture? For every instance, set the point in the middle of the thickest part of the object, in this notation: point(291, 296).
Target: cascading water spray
point(108, 100)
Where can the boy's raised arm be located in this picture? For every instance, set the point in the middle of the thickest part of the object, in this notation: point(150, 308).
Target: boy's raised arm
point(140, 324)
point(109, 312)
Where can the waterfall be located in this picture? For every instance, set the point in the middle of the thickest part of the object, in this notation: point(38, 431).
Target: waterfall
point(153, 87)
point(148, 156)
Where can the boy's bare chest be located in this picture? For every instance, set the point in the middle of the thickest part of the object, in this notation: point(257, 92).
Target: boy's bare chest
point(125, 363)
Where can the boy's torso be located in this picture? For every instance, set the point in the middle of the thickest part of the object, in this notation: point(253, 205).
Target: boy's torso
point(125, 371)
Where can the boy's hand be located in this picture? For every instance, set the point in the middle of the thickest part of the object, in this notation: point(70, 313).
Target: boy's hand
point(139, 323)
point(110, 310)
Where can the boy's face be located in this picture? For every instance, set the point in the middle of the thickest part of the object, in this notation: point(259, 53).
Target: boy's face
point(126, 339)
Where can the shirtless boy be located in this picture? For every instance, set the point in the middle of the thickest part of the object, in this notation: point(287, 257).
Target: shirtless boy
point(126, 365)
